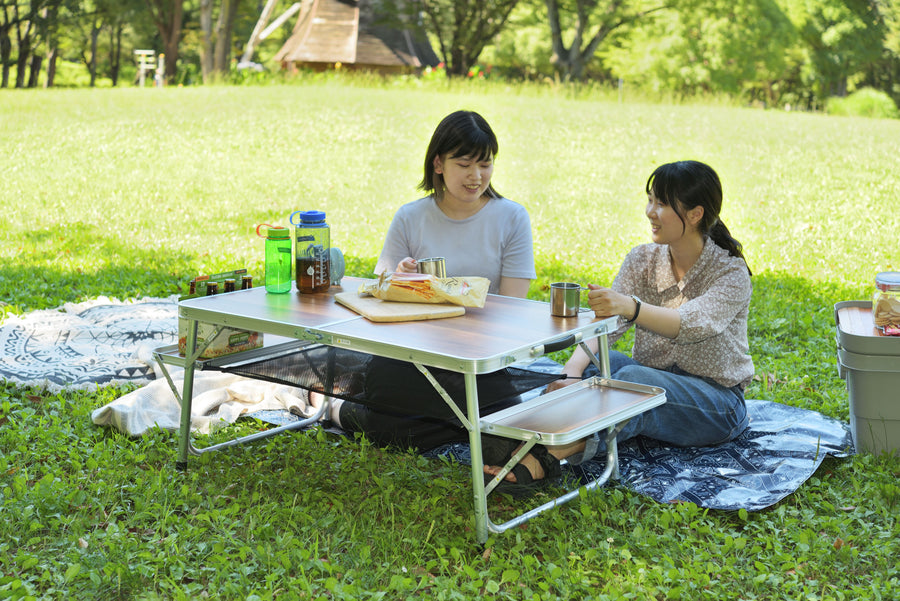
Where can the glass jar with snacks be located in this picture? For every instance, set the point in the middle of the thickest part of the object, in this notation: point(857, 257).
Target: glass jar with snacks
point(886, 300)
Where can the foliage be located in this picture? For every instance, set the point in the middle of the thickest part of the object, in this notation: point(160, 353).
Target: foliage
point(463, 28)
point(864, 103)
point(706, 47)
point(590, 23)
point(764, 52)
point(144, 188)
point(841, 37)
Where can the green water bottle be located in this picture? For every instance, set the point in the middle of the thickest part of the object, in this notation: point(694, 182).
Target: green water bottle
point(278, 258)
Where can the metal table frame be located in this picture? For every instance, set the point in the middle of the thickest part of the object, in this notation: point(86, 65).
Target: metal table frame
point(506, 331)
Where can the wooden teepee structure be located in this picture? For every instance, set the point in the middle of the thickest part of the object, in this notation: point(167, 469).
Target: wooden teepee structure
point(351, 33)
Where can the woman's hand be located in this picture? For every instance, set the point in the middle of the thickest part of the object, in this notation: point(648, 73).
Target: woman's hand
point(408, 265)
point(606, 302)
point(557, 384)
point(573, 370)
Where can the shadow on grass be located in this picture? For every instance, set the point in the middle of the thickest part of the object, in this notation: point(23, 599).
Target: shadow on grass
point(78, 262)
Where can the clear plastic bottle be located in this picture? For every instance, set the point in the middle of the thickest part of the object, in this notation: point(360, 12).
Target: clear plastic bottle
point(313, 251)
point(278, 258)
point(886, 300)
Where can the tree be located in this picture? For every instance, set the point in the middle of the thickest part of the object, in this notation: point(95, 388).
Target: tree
point(464, 27)
point(215, 49)
point(168, 16)
point(51, 14)
point(884, 74)
point(591, 22)
point(28, 20)
point(843, 37)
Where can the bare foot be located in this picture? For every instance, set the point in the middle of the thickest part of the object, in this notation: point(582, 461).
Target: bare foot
point(532, 464)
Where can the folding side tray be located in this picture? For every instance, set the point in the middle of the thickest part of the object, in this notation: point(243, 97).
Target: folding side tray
point(565, 416)
point(574, 412)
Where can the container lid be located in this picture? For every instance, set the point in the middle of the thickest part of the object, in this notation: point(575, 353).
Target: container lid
point(312, 217)
point(278, 233)
point(856, 331)
point(888, 280)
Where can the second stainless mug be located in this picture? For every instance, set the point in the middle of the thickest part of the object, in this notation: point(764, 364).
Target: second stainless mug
point(434, 266)
point(565, 299)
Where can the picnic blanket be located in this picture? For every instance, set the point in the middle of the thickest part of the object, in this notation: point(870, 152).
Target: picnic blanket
point(780, 450)
point(107, 341)
point(83, 345)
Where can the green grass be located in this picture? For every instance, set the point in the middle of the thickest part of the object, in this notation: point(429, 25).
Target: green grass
point(130, 192)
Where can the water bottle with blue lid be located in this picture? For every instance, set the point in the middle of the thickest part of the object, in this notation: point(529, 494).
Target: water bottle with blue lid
point(312, 250)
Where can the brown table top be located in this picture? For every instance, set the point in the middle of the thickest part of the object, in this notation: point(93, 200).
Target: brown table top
point(502, 332)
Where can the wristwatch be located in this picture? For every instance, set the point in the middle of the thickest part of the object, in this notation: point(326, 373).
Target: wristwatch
point(637, 309)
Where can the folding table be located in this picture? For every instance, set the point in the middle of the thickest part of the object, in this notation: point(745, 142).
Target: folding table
point(504, 332)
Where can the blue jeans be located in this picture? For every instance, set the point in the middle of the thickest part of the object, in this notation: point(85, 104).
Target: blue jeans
point(697, 411)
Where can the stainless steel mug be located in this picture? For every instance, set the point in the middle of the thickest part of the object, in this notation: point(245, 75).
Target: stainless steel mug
point(434, 266)
point(565, 299)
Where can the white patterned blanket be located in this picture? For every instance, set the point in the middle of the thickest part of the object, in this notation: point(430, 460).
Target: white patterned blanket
point(83, 345)
point(106, 341)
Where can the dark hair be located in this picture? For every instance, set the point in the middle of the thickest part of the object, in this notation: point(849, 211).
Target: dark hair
point(684, 185)
point(459, 134)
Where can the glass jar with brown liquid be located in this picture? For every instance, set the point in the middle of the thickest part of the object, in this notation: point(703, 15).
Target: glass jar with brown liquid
point(312, 251)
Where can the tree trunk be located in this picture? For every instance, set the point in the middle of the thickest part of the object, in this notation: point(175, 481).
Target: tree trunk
point(92, 65)
point(22, 60)
point(206, 40)
point(168, 23)
point(115, 51)
point(224, 35)
point(5, 53)
point(51, 68)
point(34, 70)
point(52, 29)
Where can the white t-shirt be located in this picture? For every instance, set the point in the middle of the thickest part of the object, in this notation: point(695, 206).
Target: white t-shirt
point(494, 242)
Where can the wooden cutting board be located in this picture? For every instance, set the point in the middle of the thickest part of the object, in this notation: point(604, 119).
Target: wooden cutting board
point(375, 309)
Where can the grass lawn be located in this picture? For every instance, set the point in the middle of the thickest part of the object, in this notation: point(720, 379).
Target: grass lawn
point(132, 192)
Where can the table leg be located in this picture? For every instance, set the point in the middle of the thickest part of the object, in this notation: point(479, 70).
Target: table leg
point(603, 347)
point(481, 515)
point(601, 359)
point(187, 395)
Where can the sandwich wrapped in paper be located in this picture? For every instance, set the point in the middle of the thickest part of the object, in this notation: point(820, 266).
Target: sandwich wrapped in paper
point(425, 288)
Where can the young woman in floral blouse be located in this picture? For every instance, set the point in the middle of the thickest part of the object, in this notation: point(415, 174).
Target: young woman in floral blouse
point(687, 294)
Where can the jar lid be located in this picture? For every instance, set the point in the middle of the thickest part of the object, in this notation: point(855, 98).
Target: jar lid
point(312, 216)
point(888, 280)
point(278, 233)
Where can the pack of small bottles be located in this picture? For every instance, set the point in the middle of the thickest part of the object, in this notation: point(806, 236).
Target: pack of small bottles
point(229, 340)
point(227, 281)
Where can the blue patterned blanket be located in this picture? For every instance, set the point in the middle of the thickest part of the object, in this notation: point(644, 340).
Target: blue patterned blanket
point(782, 447)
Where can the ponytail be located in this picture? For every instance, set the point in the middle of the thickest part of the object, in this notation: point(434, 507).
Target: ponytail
point(719, 234)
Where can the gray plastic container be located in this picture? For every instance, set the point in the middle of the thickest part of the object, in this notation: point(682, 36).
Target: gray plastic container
point(871, 366)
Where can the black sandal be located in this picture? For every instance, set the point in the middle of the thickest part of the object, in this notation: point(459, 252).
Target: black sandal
point(497, 452)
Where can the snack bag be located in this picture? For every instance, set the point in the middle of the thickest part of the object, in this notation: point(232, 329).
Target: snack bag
point(425, 288)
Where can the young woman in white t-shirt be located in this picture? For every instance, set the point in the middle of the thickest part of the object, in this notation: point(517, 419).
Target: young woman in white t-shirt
point(479, 233)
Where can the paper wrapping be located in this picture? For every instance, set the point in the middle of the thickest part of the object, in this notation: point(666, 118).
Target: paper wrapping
point(425, 288)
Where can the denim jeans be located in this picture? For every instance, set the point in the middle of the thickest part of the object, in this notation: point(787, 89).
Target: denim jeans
point(697, 411)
